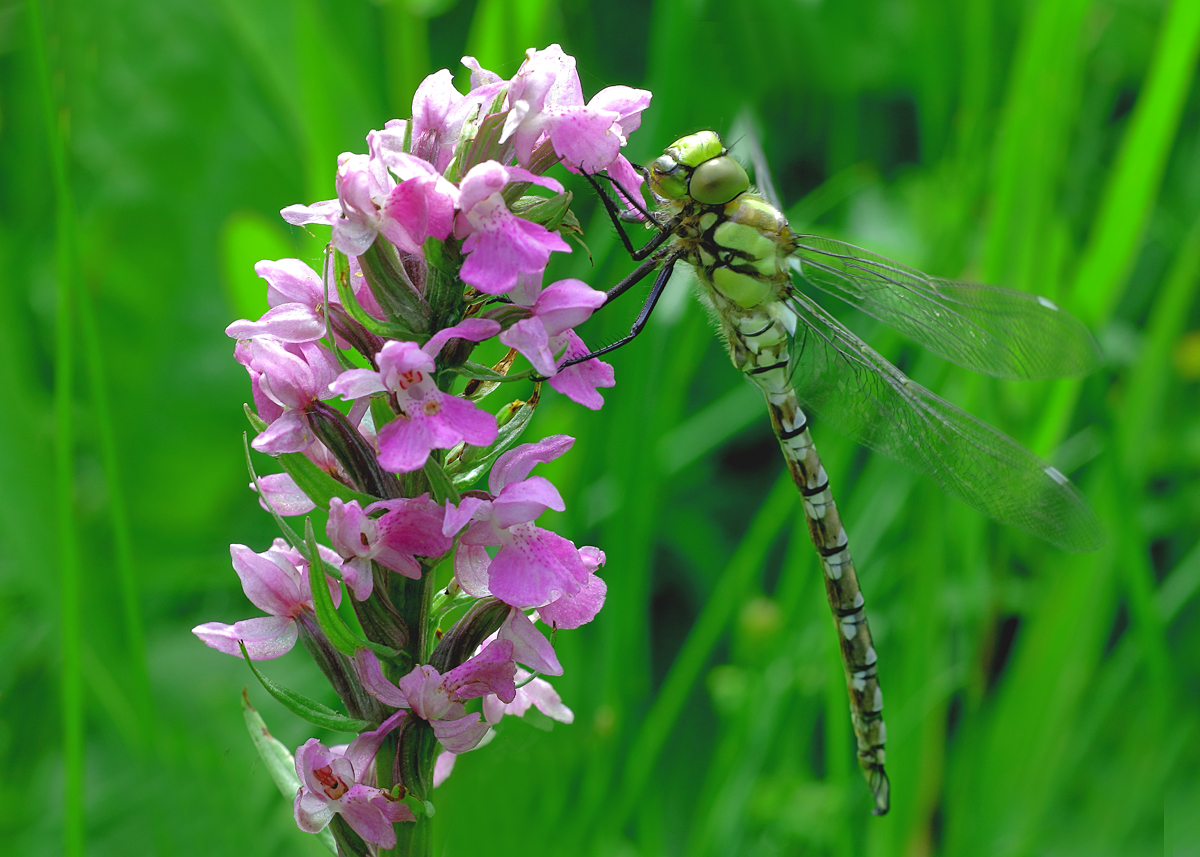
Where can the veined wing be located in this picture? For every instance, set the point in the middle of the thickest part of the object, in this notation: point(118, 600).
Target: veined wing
point(987, 329)
point(860, 393)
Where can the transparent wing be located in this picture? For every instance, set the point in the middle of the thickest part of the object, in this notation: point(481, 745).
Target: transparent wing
point(863, 395)
point(987, 329)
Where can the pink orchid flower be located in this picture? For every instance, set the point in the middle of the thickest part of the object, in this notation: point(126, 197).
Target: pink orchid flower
point(354, 215)
point(547, 101)
point(499, 245)
point(430, 418)
point(333, 783)
point(277, 582)
point(439, 698)
point(531, 692)
point(296, 297)
point(408, 529)
point(560, 307)
point(287, 379)
point(533, 566)
point(440, 111)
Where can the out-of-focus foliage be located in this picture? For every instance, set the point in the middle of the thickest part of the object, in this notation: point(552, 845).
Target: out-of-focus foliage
point(1038, 703)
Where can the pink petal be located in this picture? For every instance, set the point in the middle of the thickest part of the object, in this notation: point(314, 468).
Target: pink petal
point(625, 101)
point(535, 567)
point(584, 138)
point(523, 501)
point(529, 646)
point(572, 611)
point(471, 564)
point(459, 736)
point(325, 212)
point(291, 322)
point(422, 687)
point(346, 528)
point(269, 580)
point(443, 767)
point(361, 752)
point(459, 516)
point(514, 465)
point(413, 526)
point(283, 495)
point(529, 337)
point(470, 424)
point(404, 445)
point(367, 820)
point(289, 433)
point(291, 281)
point(565, 304)
point(479, 75)
point(474, 329)
point(543, 695)
point(509, 247)
point(265, 637)
point(592, 558)
point(312, 811)
point(490, 671)
point(579, 382)
point(480, 182)
point(398, 358)
point(356, 383)
point(366, 664)
point(630, 180)
point(433, 101)
point(358, 577)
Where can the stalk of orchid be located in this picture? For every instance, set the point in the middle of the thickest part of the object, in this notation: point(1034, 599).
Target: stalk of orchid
point(436, 245)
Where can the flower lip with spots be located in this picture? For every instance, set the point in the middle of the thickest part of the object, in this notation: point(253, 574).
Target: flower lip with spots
point(333, 783)
point(430, 419)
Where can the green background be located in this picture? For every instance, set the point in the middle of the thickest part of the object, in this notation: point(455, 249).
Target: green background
point(1038, 702)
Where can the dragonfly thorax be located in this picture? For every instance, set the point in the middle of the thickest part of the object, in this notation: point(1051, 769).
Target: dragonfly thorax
point(739, 249)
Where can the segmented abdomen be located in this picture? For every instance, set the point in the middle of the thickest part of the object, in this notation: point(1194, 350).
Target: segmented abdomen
point(759, 346)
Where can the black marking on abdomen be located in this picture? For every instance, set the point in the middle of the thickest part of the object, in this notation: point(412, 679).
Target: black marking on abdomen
point(812, 492)
point(796, 432)
point(759, 370)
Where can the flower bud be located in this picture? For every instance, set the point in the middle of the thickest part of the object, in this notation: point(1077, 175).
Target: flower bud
point(461, 641)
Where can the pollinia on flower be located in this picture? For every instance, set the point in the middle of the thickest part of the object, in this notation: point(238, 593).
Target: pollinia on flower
point(365, 393)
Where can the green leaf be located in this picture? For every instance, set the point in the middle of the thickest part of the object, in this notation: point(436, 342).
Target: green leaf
point(440, 483)
point(278, 760)
point(479, 372)
point(470, 469)
point(300, 705)
point(350, 304)
point(319, 485)
point(258, 422)
point(331, 622)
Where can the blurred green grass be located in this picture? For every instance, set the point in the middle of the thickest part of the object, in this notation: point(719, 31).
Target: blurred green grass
point(1038, 703)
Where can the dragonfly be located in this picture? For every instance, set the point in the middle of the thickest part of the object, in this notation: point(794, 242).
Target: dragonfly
point(744, 254)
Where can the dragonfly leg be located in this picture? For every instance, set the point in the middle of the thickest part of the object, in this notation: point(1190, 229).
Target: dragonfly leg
point(639, 324)
point(664, 230)
point(636, 203)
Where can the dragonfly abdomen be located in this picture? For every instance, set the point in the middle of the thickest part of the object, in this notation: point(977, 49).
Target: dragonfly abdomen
point(759, 346)
point(841, 588)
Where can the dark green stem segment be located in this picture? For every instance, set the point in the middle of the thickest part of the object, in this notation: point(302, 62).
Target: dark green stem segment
point(353, 451)
point(338, 670)
point(392, 285)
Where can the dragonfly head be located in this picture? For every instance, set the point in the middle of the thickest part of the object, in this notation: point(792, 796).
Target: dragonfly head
point(698, 166)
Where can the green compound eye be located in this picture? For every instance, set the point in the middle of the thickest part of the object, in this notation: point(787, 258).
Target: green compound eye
point(717, 181)
point(666, 180)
